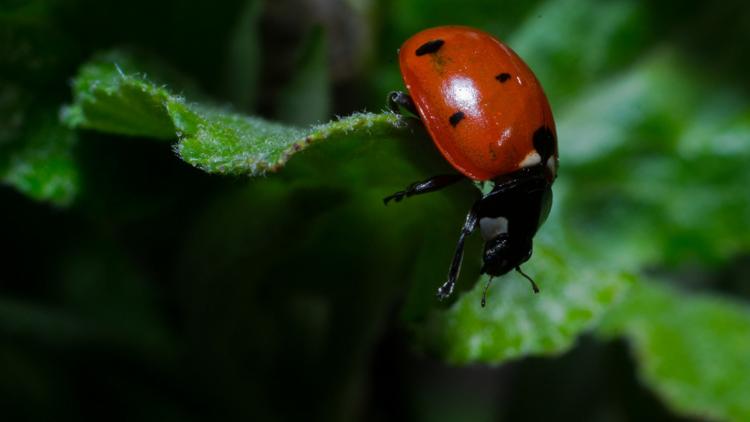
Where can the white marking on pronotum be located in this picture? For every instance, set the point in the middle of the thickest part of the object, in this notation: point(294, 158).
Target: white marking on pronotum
point(552, 164)
point(493, 227)
point(533, 158)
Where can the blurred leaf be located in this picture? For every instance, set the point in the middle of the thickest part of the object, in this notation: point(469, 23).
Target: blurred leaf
point(306, 99)
point(100, 284)
point(293, 272)
point(664, 174)
point(516, 322)
point(662, 170)
point(693, 349)
point(633, 114)
point(34, 50)
point(654, 173)
point(36, 152)
point(14, 105)
point(216, 140)
point(407, 17)
point(44, 324)
point(566, 58)
point(243, 67)
point(105, 301)
point(40, 162)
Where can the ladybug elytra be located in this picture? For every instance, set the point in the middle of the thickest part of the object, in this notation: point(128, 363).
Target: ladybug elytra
point(489, 117)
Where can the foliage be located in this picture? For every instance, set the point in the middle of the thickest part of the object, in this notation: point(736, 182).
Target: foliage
point(684, 344)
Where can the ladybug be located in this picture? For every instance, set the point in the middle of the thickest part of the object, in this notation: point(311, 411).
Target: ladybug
point(490, 119)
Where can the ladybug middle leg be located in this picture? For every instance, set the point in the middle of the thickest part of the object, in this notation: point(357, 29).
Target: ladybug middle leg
point(430, 185)
point(398, 100)
point(469, 225)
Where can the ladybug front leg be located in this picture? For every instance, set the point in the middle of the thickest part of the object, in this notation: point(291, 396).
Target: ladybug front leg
point(469, 225)
point(398, 100)
point(430, 185)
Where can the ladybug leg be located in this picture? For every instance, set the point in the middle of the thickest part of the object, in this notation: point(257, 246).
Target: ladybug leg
point(469, 225)
point(430, 185)
point(484, 293)
point(398, 100)
point(531, 280)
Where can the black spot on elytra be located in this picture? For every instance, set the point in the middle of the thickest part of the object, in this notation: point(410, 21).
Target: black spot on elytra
point(430, 47)
point(544, 142)
point(456, 117)
point(503, 77)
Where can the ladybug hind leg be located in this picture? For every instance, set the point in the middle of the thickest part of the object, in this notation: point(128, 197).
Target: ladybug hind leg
point(430, 185)
point(398, 100)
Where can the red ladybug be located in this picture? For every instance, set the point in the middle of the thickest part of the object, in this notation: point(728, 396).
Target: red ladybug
point(488, 115)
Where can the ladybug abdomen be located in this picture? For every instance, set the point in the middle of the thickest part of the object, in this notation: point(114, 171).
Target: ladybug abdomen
point(481, 104)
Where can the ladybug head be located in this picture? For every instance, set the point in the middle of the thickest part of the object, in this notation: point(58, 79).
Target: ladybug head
point(510, 216)
point(503, 253)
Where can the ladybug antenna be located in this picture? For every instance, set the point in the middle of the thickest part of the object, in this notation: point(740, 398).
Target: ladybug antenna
point(484, 294)
point(533, 285)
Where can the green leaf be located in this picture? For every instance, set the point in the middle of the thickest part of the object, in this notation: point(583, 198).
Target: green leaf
point(34, 50)
point(567, 59)
point(692, 349)
point(40, 162)
point(14, 105)
point(101, 286)
point(309, 269)
point(109, 98)
point(234, 144)
point(36, 152)
point(20, 319)
point(665, 175)
point(654, 174)
point(633, 115)
point(574, 296)
point(104, 300)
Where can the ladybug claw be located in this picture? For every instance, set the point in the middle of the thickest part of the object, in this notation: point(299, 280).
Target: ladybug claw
point(444, 291)
point(397, 197)
point(430, 185)
point(398, 100)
